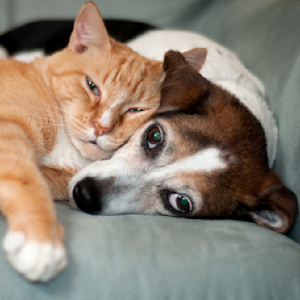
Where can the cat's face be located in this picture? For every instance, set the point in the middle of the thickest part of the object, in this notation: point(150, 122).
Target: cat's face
point(105, 97)
point(105, 90)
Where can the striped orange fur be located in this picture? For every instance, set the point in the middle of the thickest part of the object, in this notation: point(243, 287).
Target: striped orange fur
point(58, 114)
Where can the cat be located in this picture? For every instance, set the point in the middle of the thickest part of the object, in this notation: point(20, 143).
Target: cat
point(58, 114)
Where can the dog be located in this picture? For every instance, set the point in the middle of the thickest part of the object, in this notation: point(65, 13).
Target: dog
point(206, 153)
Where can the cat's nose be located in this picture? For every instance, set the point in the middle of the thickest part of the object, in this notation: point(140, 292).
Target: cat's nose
point(87, 196)
point(99, 129)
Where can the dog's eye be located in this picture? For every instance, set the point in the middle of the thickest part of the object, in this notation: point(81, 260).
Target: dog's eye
point(180, 203)
point(154, 137)
point(94, 89)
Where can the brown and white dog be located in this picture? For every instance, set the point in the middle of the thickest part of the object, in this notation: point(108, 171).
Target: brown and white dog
point(206, 153)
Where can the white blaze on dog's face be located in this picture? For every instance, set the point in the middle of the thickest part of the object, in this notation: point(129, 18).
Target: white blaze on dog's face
point(202, 156)
point(158, 171)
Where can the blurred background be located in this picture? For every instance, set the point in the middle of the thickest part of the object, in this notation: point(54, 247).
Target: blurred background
point(18, 12)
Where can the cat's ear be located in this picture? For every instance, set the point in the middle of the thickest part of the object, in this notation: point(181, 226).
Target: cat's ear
point(276, 206)
point(183, 88)
point(195, 57)
point(89, 30)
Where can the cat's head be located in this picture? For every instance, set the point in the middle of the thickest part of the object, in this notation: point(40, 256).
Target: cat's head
point(105, 89)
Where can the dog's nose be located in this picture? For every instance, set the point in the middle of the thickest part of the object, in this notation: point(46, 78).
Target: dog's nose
point(86, 197)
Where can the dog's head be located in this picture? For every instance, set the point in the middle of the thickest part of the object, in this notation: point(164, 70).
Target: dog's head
point(202, 156)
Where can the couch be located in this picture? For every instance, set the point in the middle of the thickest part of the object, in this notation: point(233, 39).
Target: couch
point(139, 257)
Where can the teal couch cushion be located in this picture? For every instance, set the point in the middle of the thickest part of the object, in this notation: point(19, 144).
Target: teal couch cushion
point(157, 257)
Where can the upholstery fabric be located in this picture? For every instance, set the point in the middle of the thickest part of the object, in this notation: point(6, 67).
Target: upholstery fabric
point(156, 257)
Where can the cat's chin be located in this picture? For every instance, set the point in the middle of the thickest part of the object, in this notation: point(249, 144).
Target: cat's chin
point(90, 150)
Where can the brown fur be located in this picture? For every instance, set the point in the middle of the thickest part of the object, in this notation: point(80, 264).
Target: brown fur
point(247, 188)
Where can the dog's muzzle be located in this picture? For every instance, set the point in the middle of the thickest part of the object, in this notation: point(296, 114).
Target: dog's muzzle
point(86, 196)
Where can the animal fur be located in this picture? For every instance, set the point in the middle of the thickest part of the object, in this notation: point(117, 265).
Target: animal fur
point(59, 114)
point(215, 140)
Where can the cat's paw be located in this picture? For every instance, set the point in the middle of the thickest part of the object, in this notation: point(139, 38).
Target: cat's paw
point(34, 260)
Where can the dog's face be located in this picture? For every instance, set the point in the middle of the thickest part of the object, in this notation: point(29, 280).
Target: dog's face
point(202, 156)
point(157, 171)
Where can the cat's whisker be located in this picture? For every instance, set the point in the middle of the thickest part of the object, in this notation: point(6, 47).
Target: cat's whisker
point(53, 125)
point(36, 116)
point(71, 131)
point(62, 110)
point(41, 120)
point(54, 114)
point(80, 127)
point(25, 105)
point(50, 114)
point(76, 121)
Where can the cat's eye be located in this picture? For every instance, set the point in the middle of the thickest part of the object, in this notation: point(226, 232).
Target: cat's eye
point(154, 137)
point(135, 110)
point(180, 203)
point(92, 86)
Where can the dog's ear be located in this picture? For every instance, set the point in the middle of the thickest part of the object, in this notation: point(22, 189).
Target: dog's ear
point(276, 207)
point(195, 57)
point(183, 87)
point(89, 30)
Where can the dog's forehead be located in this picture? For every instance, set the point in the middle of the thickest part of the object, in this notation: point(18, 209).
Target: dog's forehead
point(189, 154)
point(185, 134)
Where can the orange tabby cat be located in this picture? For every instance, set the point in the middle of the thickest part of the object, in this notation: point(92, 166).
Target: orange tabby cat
point(58, 114)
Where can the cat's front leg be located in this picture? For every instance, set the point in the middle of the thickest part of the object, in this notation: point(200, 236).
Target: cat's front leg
point(34, 240)
point(58, 180)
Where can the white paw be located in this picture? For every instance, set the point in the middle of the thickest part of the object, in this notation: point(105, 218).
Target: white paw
point(35, 261)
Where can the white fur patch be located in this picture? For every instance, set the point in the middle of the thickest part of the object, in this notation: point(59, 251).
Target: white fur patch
point(13, 241)
point(105, 119)
point(29, 56)
point(35, 261)
point(206, 160)
point(64, 154)
point(3, 52)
